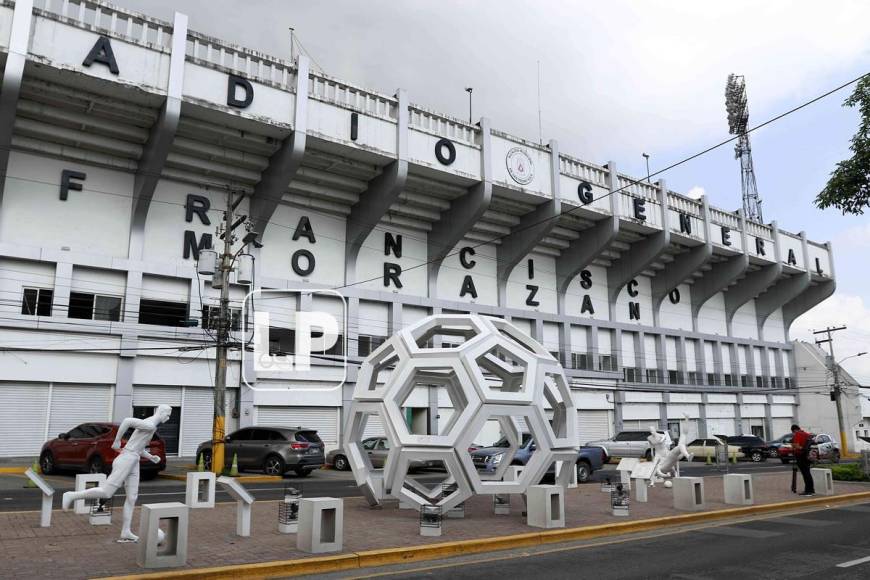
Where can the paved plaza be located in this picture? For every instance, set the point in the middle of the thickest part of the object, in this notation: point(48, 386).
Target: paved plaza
point(72, 548)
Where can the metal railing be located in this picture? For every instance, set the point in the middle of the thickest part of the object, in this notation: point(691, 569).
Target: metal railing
point(582, 170)
point(328, 89)
point(442, 125)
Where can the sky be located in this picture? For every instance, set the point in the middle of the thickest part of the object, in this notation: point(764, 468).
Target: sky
point(617, 79)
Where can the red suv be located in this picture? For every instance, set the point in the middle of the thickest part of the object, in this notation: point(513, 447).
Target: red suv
point(88, 448)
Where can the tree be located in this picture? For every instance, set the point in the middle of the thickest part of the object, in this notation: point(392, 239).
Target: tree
point(848, 189)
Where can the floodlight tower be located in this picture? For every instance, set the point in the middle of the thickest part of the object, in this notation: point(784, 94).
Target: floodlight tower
point(738, 117)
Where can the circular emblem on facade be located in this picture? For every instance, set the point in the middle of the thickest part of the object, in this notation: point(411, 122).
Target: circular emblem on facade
point(520, 166)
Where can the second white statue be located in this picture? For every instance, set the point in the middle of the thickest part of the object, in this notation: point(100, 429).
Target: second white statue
point(125, 467)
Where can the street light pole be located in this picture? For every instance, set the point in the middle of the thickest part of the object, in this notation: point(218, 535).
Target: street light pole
point(646, 156)
point(469, 90)
point(837, 391)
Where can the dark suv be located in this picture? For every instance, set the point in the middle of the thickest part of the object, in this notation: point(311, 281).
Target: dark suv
point(752, 447)
point(272, 450)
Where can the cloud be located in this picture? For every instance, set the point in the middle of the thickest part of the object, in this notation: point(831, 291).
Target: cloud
point(696, 192)
point(841, 310)
point(853, 238)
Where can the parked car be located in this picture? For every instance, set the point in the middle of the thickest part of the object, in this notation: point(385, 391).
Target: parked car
point(774, 445)
point(823, 448)
point(487, 459)
point(701, 449)
point(377, 449)
point(751, 447)
point(88, 448)
point(625, 444)
point(273, 450)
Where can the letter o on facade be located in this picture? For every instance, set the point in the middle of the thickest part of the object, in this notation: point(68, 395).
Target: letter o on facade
point(297, 266)
point(440, 147)
point(674, 296)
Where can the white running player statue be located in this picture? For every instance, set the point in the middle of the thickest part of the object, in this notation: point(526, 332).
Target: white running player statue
point(125, 467)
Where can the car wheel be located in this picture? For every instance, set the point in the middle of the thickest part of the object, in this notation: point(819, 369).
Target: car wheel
point(648, 455)
point(341, 463)
point(757, 456)
point(46, 463)
point(584, 472)
point(274, 465)
point(773, 453)
point(96, 465)
point(205, 457)
point(786, 460)
point(303, 472)
point(835, 457)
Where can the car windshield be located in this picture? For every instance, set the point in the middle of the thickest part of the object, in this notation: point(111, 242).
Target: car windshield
point(503, 442)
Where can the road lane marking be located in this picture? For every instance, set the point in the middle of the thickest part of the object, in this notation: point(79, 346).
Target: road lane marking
point(851, 563)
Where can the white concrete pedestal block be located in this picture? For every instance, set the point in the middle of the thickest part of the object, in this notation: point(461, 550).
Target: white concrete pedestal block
point(321, 525)
point(625, 480)
point(173, 551)
point(689, 493)
point(85, 481)
point(501, 504)
point(99, 517)
point(546, 506)
point(513, 473)
point(200, 489)
point(47, 496)
point(244, 500)
point(823, 481)
point(640, 491)
point(738, 489)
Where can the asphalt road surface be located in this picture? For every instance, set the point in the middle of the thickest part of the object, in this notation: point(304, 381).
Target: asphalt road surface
point(825, 543)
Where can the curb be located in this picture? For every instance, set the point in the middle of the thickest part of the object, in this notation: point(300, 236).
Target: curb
point(13, 470)
point(388, 556)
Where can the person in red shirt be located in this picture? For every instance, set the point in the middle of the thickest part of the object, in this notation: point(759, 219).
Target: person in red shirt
point(801, 441)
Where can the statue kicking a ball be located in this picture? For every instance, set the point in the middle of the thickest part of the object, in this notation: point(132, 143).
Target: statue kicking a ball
point(125, 467)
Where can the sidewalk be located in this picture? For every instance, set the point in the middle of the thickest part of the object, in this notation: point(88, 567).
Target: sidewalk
point(72, 548)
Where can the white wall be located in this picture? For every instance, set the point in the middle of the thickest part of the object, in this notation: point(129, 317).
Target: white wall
point(544, 277)
point(483, 274)
point(711, 316)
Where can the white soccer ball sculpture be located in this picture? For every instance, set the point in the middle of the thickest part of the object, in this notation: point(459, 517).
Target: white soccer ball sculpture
point(497, 373)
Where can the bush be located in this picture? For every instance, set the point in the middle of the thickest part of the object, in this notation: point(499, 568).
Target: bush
point(848, 472)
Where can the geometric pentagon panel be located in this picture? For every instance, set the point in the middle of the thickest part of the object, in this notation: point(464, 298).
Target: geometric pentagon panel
point(490, 371)
point(539, 460)
point(562, 428)
point(416, 376)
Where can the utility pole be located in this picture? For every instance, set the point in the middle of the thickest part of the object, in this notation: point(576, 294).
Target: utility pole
point(223, 335)
point(837, 393)
point(646, 156)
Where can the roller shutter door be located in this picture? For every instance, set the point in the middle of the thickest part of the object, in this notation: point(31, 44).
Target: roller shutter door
point(323, 419)
point(720, 427)
point(374, 427)
point(593, 425)
point(72, 405)
point(197, 414)
point(780, 427)
point(22, 419)
point(153, 396)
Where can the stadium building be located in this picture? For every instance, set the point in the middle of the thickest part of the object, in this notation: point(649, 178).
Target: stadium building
point(122, 135)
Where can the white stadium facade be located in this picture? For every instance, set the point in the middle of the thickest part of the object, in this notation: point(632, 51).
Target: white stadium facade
point(122, 135)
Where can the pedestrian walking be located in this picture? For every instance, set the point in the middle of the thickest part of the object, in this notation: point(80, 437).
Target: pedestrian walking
point(801, 441)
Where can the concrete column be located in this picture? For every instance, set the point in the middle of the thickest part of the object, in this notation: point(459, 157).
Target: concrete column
point(592, 346)
point(738, 415)
point(661, 357)
point(750, 365)
point(122, 405)
point(395, 317)
point(701, 361)
point(735, 362)
point(682, 367)
point(768, 418)
point(663, 411)
point(765, 365)
point(717, 362)
point(780, 371)
point(618, 402)
point(565, 348)
point(639, 354)
point(702, 417)
point(62, 282)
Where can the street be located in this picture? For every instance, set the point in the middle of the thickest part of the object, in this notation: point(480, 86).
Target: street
point(820, 543)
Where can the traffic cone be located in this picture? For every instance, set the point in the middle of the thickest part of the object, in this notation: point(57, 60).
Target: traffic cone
point(234, 470)
point(35, 468)
point(200, 467)
point(734, 458)
point(709, 460)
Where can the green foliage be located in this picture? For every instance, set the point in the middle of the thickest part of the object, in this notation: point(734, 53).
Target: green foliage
point(849, 186)
point(848, 472)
